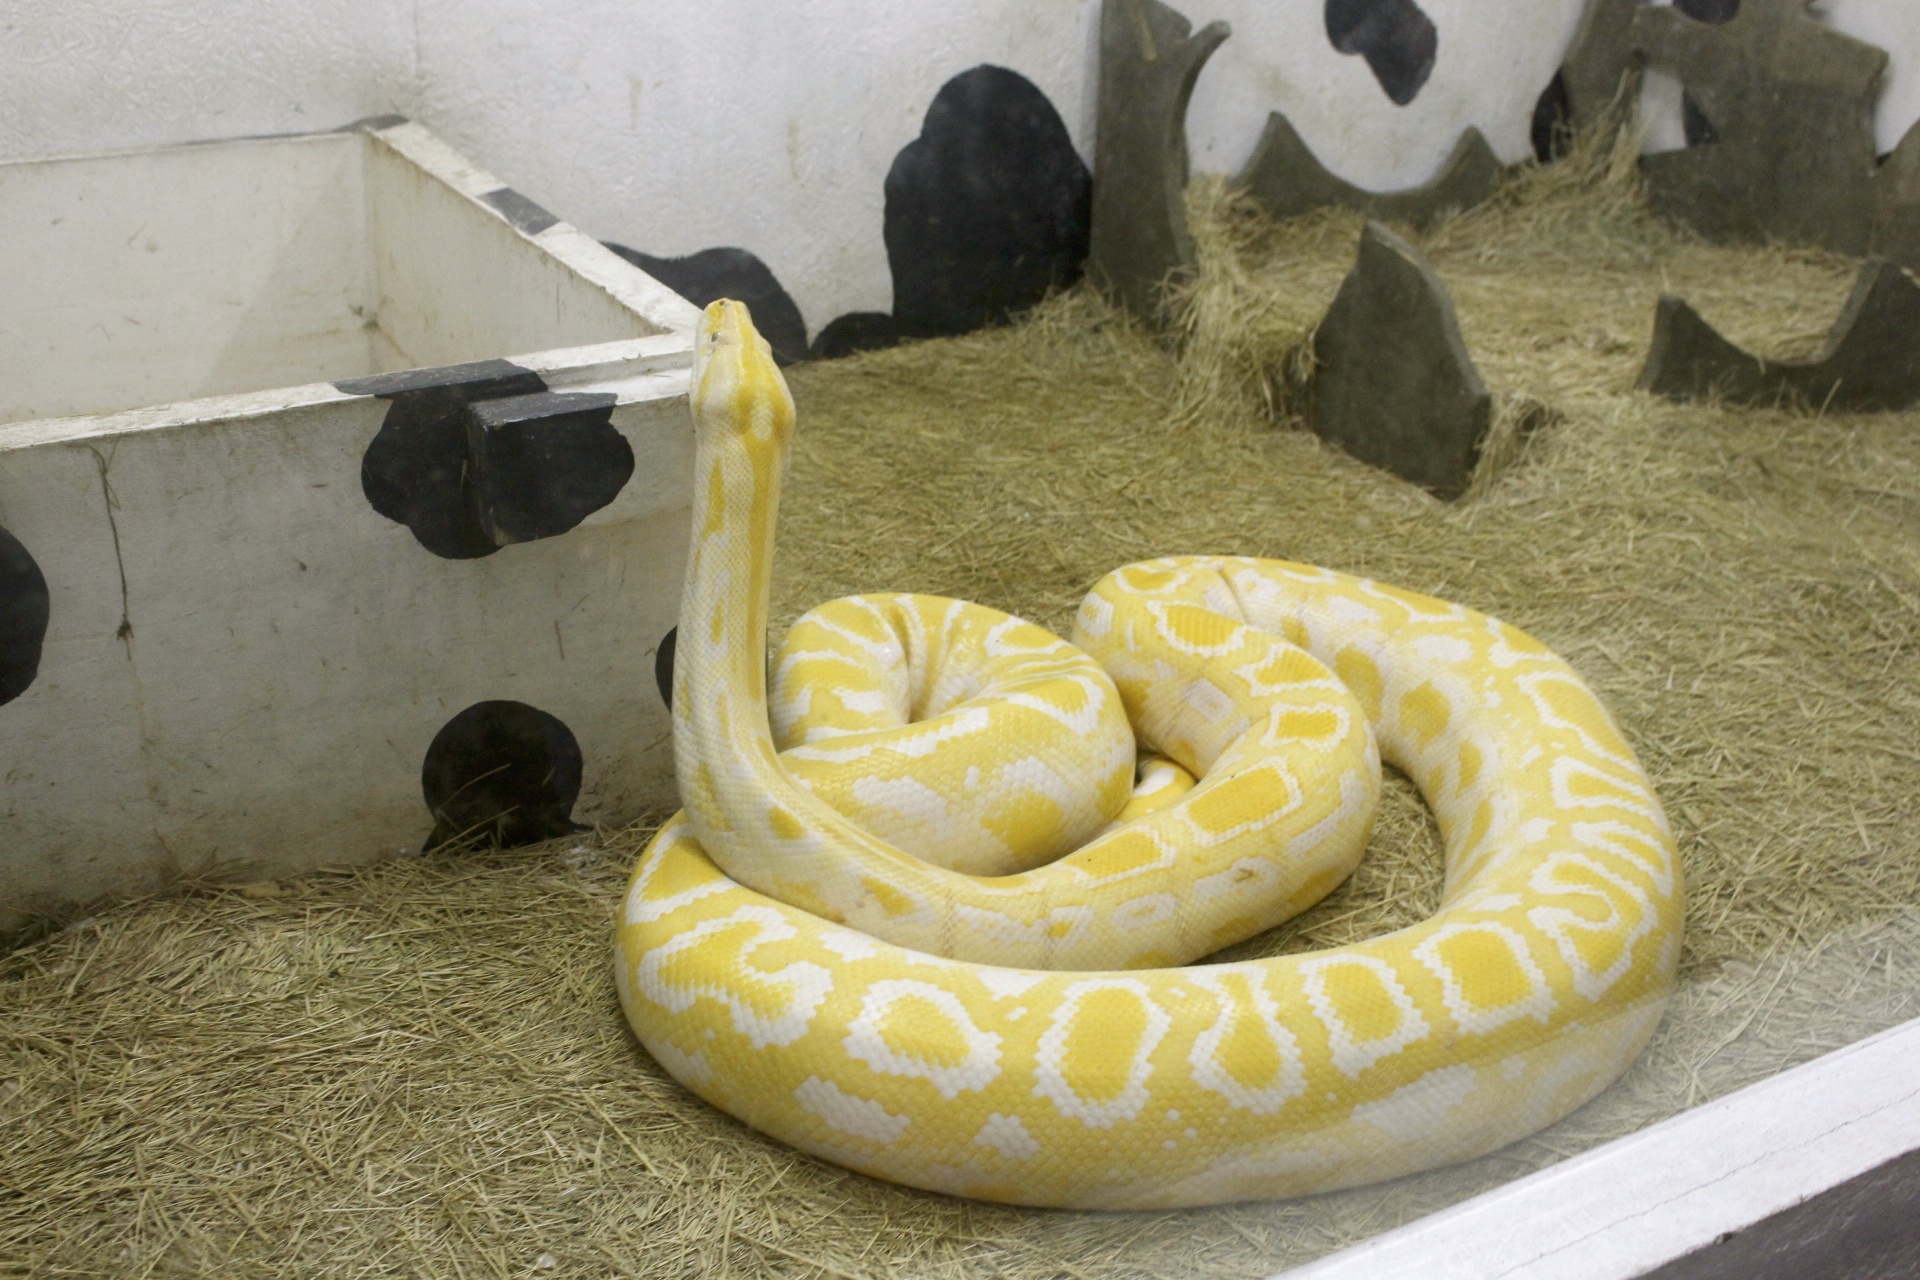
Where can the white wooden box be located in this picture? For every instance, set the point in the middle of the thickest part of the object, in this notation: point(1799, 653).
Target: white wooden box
point(308, 445)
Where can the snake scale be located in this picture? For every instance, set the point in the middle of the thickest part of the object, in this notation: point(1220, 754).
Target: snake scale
point(1009, 1012)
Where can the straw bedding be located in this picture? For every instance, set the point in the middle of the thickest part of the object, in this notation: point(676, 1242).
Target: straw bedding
point(419, 1067)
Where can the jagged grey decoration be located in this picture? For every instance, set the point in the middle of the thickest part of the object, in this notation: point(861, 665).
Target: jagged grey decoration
point(1791, 105)
point(1148, 64)
point(1871, 360)
point(1393, 384)
point(1599, 60)
point(1287, 179)
point(1896, 205)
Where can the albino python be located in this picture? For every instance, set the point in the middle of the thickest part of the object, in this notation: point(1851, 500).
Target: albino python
point(986, 1018)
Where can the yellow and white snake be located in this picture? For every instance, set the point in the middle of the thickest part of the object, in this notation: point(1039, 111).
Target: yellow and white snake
point(984, 1017)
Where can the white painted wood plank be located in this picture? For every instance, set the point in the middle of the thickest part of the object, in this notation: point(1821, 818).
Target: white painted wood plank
point(1643, 1200)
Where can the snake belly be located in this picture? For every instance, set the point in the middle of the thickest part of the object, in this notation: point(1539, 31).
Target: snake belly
point(850, 1000)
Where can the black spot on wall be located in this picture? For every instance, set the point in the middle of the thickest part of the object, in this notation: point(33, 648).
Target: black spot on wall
point(713, 274)
point(475, 457)
point(24, 610)
point(988, 209)
point(857, 331)
point(1552, 121)
point(1396, 38)
point(663, 665)
point(501, 773)
point(1715, 11)
point(416, 470)
point(541, 464)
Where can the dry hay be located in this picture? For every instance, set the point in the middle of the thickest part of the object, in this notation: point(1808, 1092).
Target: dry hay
point(420, 1067)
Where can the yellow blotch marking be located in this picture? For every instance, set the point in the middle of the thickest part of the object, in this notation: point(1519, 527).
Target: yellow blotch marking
point(1027, 821)
point(1361, 675)
point(1585, 905)
point(1248, 1052)
point(677, 874)
point(1145, 580)
point(1101, 1043)
point(1482, 822)
point(1197, 628)
point(1600, 949)
point(1318, 724)
point(785, 825)
point(1060, 928)
point(1289, 665)
point(1121, 852)
point(1489, 974)
point(1426, 713)
point(1578, 707)
point(1069, 696)
point(719, 952)
point(891, 900)
point(716, 519)
point(1361, 1001)
point(707, 799)
point(1234, 802)
point(865, 623)
point(1470, 762)
point(914, 1027)
point(1592, 786)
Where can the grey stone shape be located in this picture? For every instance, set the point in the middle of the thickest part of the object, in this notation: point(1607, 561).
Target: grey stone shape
point(1287, 179)
point(1149, 61)
point(1790, 104)
point(1393, 384)
point(1896, 203)
point(1600, 58)
point(1870, 363)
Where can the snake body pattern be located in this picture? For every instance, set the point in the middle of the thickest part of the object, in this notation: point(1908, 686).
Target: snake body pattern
point(996, 1021)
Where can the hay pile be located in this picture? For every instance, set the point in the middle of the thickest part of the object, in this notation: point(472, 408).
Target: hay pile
point(421, 1068)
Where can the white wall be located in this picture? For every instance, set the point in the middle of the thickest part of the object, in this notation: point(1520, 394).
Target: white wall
point(673, 127)
point(93, 75)
point(1494, 59)
point(767, 125)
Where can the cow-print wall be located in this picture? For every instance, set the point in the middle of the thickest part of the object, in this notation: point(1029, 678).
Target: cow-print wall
point(501, 773)
point(987, 211)
point(1397, 38)
point(24, 611)
point(473, 458)
point(476, 457)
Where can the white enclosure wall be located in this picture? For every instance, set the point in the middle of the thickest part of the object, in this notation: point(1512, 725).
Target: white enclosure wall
point(676, 127)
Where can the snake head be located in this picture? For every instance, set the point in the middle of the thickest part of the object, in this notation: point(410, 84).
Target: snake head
point(737, 388)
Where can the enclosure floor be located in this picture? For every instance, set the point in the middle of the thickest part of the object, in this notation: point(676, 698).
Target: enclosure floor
point(420, 1068)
